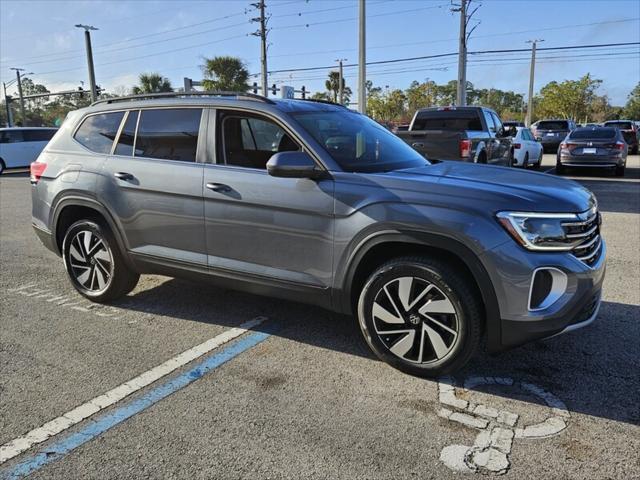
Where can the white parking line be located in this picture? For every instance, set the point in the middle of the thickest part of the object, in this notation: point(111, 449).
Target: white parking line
point(87, 409)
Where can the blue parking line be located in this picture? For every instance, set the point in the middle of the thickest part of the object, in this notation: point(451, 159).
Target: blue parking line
point(59, 449)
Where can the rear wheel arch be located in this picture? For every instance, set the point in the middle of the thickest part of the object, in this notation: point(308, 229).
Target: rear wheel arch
point(383, 247)
point(70, 209)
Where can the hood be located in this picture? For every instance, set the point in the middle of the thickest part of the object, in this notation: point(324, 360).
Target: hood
point(491, 187)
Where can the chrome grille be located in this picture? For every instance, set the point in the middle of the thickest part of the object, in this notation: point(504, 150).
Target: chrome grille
point(586, 231)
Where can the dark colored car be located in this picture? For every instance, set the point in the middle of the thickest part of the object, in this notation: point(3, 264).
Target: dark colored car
point(552, 132)
point(467, 134)
point(629, 131)
point(599, 147)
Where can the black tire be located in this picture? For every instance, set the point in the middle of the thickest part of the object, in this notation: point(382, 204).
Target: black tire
point(2, 166)
point(525, 162)
point(634, 150)
point(448, 288)
point(482, 157)
point(94, 263)
point(620, 170)
point(538, 164)
point(560, 169)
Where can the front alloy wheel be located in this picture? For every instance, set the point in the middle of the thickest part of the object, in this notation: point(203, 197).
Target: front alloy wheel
point(420, 315)
point(415, 320)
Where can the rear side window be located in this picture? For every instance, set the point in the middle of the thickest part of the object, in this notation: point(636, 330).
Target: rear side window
point(97, 132)
point(553, 125)
point(593, 133)
point(38, 135)
point(454, 120)
point(128, 135)
point(169, 134)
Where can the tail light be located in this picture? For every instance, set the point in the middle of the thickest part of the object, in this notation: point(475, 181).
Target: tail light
point(517, 145)
point(37, 169)
point(465, 148)
point(567, 146)
point(619, 145)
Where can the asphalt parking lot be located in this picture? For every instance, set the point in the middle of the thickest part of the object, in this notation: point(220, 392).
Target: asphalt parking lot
point(299, 395)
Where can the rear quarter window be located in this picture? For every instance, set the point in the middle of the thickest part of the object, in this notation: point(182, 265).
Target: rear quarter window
point(97, 132)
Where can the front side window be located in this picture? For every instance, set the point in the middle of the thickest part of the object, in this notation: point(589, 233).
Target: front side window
point(169, 134)
point(97, 132)
point(489, 119)
point(250, 141)
point(11, 136)
point(357, 143)
point(496, 122)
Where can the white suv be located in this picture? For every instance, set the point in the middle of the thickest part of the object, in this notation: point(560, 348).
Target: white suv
point(20, 146)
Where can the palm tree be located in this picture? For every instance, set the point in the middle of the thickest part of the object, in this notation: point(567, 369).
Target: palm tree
point(152, 83)
point(225, 74)
point(332, 84)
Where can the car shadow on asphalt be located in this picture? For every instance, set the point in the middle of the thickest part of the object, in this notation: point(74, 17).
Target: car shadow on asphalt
point(593, 370)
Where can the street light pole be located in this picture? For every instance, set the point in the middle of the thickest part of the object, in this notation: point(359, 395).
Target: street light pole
point(362, 68)
point(461, 99)
point(529, 116)
point(92, 74)
point(18, 77)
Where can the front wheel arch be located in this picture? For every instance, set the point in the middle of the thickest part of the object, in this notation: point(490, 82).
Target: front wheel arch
point(384, 246)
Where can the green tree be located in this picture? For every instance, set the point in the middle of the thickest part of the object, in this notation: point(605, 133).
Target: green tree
point(632, 108)
point(568, 99)
point(420, 95)
point(152, 83)
point(332, 84)
point(387, 107)
point(320, 96)
point(225, 74)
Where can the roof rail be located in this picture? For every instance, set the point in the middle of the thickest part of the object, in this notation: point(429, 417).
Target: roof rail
point(150, 96)
point(317, 100)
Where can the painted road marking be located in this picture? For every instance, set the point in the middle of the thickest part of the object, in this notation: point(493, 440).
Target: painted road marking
point(73, 300)
point(492, 446)
point(87, 409)
point(100, 425)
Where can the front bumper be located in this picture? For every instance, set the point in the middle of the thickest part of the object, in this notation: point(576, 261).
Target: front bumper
point(576, 307)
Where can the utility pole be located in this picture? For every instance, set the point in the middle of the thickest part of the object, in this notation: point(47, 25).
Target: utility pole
point(340, 81)
point(362, 68)
point(18, 77)
point(529, 116)
point(262, 33)
point(465, 33)
point(6, 104)
point(461, 97)
point(92, 74)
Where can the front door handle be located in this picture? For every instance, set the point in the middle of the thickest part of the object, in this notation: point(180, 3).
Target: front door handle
point(123, 176)
point(417, 145)
point(218, 187)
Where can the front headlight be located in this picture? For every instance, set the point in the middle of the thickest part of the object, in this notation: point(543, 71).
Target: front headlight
point(540, 231)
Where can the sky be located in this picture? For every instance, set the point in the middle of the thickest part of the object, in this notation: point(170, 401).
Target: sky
point(172, 37)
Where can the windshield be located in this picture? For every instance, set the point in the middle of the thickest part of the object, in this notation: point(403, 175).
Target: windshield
point(593, 133)
point(554, 125)
point(357, 143)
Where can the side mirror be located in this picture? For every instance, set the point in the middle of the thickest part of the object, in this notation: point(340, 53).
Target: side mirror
point(293, 165)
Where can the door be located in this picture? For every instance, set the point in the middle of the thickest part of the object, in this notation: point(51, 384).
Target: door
point(152, 183)
point(501, 144)
point(13, 149)
point(279, 229)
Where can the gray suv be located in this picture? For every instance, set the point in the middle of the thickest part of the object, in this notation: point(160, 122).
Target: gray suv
point(315, 203)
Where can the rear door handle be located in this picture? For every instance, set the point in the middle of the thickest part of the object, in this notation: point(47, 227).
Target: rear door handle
point(123, 176)
point(417, 145)
point(218, 187)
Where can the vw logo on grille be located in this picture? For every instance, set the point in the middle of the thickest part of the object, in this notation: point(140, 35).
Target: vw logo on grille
point(414, 319)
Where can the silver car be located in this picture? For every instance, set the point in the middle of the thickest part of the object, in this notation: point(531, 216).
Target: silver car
point(315, 203)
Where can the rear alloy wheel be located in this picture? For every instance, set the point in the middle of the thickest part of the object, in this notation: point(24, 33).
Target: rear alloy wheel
point(94, 264)
point(420, 316)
